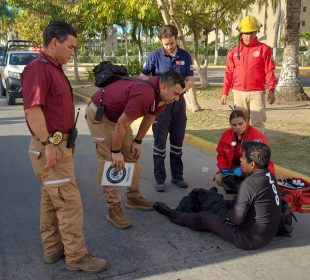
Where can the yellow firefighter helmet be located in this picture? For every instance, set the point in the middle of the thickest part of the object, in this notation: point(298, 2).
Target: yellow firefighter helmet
point(249, 24)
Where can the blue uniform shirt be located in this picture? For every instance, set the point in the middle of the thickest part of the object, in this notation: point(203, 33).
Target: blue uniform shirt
point(158, 62)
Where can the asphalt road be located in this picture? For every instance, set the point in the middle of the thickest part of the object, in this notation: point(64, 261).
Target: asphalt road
point(153, 248)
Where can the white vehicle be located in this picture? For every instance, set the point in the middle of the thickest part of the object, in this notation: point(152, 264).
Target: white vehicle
point(12, 65)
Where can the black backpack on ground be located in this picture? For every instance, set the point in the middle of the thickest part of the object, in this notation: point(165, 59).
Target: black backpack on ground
point(106, 73)
point(199, 200)
point(286, 220)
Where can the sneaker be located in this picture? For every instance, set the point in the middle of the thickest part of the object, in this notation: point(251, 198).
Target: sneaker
point(118, 218)
point(160, 187)
point(162, 208)
point(88, 263)
point(54, 258)
point(180, 183)
point(136, 201)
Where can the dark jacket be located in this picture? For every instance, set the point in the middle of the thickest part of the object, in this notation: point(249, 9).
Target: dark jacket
point(257, 207)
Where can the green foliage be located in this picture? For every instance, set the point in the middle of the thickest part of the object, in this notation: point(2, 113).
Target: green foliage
point(30, 26)
point(134, 67)
point(303, 48)
point(90, 74)
point(7, 19)
point(305, 36)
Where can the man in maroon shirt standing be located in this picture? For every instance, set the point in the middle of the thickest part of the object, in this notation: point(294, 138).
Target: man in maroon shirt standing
point(124, 101)
point(49, 109)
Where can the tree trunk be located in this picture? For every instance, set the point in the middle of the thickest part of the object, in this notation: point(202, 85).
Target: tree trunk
point(229, 36)
point(126, 43)
point(191, 100)
point(140, 45)
point(177, 24)
point(163, 11)
point(190, 96)
point(266, 17)
point(276, 30)
point(216, 53)
point(102, 48)
point(200, 71)
point(206, 33)
point(76, 69)
point(192, 104)
point(289, 86)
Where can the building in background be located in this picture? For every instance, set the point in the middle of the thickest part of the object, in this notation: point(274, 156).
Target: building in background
point(104, 45)
point(269, 19)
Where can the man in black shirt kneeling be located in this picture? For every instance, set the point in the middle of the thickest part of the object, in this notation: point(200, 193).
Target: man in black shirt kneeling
point(254, 219)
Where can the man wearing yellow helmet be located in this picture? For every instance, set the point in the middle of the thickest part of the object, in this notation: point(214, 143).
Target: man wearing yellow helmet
point(249, 67)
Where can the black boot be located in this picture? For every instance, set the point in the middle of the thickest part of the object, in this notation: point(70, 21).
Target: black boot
point(163, 209)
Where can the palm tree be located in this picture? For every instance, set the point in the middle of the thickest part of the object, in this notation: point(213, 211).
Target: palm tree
point(289, 87)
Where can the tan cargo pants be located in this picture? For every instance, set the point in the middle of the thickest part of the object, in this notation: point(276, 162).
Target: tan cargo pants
point(102, 134)
point(61, 213)
point(253, 102)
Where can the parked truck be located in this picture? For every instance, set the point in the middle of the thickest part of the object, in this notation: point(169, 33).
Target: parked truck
point(17, 54)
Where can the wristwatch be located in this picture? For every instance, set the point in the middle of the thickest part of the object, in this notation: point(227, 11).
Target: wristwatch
point(138, 141)
point(49, 140)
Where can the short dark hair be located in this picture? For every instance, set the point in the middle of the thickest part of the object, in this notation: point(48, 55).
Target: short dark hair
point(236, 114)
point(257, 152)
point(59, 30)
point(172, 78)
point(167, 31)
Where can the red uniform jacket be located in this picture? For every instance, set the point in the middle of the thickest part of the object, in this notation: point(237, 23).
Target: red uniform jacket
point(252, 71)
point(225, 149)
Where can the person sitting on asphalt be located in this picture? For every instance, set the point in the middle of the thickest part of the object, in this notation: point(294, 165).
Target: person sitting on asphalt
point(125, 101)
point(229, 148)
point(254, 218)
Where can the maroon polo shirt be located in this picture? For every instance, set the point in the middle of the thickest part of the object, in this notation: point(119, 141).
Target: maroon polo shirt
point(44, 83)
point(133, 98)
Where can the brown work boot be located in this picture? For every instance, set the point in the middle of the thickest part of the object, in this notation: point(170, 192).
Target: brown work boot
point(118, 218)
point(54, 258)
point(136, 201)
point(88, 263)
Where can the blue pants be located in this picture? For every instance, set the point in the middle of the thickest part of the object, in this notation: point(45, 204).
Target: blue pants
point(172, 121)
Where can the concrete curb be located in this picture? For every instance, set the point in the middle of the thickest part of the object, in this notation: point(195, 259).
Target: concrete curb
point(207, 146)
point(81, 97)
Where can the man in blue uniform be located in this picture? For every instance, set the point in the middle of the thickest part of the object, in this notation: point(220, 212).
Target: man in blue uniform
point(173, 120)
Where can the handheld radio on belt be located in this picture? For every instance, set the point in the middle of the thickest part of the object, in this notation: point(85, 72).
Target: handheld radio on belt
point(73, 133)
point(100, 109)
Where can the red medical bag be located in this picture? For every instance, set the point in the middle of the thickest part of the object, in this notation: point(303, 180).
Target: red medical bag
point(296, 191)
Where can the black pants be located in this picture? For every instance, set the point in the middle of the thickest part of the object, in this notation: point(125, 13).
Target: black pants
point(172, 121)
point(205, 221)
